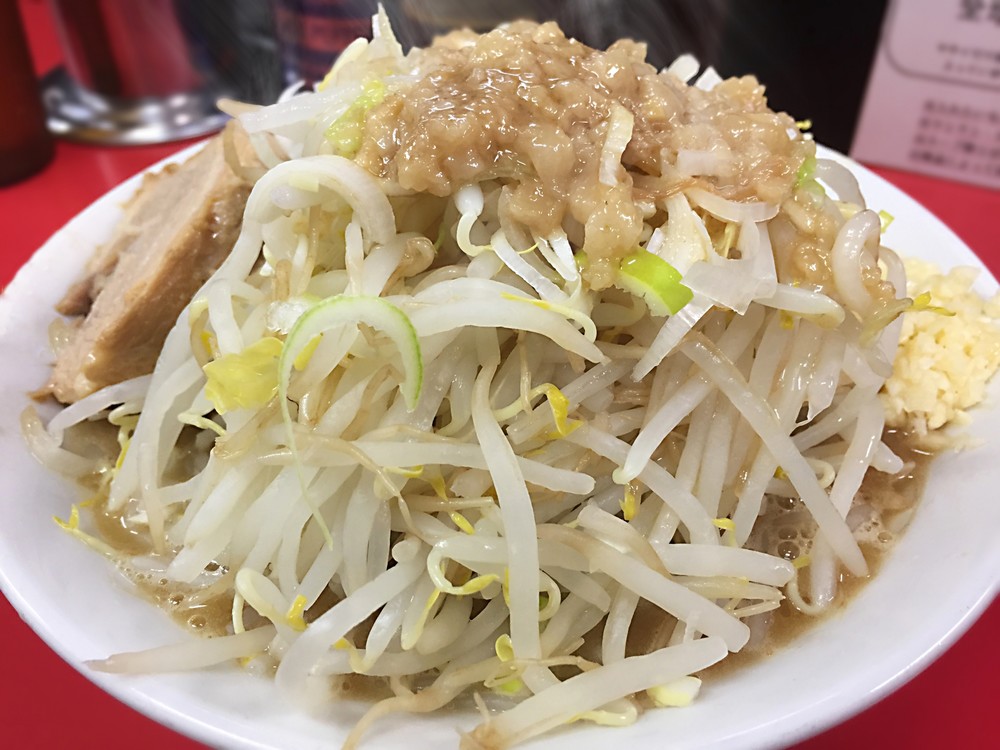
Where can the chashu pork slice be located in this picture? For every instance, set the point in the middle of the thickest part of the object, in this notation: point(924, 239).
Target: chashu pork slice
point(175, 232)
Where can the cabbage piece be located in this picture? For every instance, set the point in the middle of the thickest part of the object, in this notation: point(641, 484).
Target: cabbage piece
point(344, 134)
point(807, 172)
point(244, 380)
point(620, 126)
point(685, 241)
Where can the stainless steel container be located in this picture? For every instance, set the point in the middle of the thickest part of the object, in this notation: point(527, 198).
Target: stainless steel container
point(150, 71)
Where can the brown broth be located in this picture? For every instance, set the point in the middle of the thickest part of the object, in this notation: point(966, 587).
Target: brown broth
point(204, 610)
point(205, 613)
point(890, 496)
point(113, 529)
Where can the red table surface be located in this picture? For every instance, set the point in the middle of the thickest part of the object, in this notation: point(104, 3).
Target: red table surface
point(44, 703)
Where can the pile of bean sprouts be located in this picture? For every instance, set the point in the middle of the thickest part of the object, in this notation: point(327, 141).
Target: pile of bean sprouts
point(468, 468)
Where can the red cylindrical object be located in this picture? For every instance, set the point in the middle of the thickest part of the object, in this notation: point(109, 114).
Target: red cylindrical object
point(25, 143)
point(313, 32)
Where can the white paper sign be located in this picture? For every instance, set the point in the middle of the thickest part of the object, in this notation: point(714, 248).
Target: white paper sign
point(933, 100)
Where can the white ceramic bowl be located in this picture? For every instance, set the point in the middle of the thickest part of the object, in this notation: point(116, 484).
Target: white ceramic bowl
point(943, 572)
